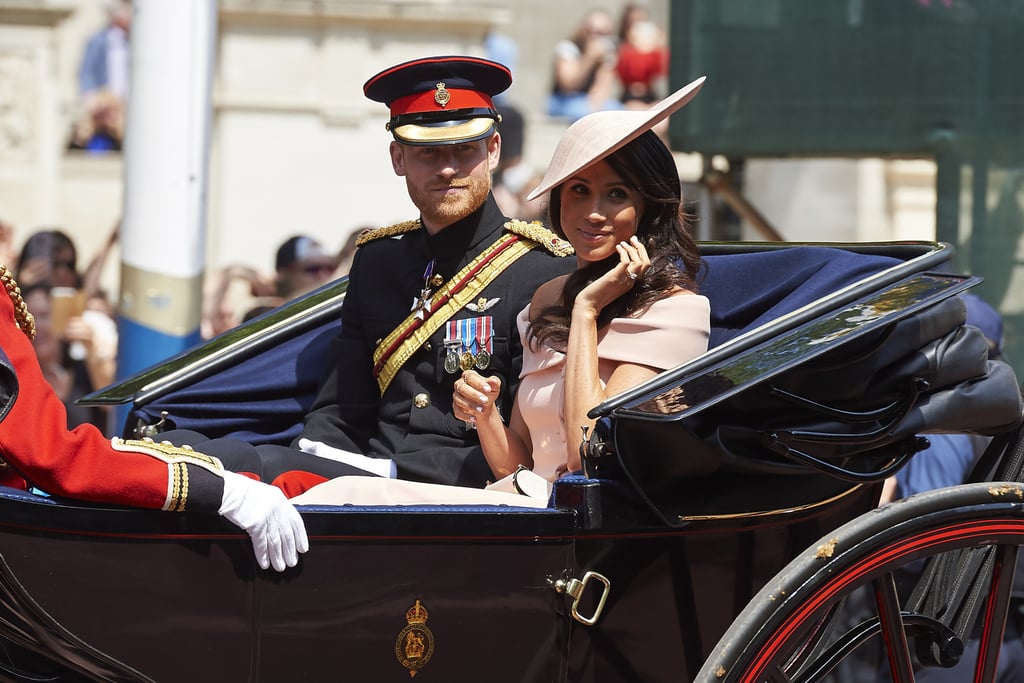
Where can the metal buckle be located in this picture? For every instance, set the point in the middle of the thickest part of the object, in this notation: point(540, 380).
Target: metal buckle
point(575, 588)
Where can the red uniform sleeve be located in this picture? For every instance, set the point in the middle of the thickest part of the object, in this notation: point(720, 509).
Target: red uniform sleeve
point(81, 463)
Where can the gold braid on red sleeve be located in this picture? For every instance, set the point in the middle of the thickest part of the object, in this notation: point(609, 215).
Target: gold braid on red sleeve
point(22, 318)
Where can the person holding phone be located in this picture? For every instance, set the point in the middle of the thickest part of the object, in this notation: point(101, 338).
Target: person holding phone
point(87, 335)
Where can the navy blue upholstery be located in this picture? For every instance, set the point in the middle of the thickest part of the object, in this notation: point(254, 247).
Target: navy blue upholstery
point(749, 290)
point(262, 399)
point(33, 496)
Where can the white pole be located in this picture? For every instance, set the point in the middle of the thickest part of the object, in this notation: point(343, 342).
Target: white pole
point(166, 153)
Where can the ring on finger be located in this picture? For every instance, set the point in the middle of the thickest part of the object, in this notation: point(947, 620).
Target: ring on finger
point(632, 276)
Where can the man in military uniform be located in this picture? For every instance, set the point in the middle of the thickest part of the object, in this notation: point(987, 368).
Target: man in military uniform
point(37, 450)
point(432, 297)
point(426, 299)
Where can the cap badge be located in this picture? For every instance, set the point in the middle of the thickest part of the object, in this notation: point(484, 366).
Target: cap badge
point(441, 95)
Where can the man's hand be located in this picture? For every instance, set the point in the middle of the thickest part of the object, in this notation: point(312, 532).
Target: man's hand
point(274, 525)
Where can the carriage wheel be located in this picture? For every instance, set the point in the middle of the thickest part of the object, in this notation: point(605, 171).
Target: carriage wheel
point(799, 626)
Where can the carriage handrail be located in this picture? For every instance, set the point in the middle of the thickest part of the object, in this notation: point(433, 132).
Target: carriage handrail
point(930, 288)
point(200, 361)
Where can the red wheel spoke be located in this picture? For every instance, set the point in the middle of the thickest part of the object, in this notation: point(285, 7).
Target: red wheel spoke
point(888, 604)
point(996, 611)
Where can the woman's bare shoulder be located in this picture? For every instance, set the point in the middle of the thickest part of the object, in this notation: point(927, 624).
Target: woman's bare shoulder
point(548, 293)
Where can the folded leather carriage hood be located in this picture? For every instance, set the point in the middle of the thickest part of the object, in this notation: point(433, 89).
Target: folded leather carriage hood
point(839, 400)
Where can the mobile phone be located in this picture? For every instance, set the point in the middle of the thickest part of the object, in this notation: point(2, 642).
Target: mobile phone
point(65, 304)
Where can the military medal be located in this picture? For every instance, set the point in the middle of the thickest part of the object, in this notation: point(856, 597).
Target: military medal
point(483, 343)
point(421, 304)
point(457, 346)
point(451, 356)
point(468, 344)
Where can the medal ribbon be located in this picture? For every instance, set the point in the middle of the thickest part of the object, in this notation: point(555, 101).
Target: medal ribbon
point(461, 333)
point(486, 332)
point(467, 333)
point(403, 341)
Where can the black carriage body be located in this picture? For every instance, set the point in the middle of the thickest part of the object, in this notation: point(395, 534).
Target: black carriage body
point(466, 593)
point(133, 596)
point(128, 595)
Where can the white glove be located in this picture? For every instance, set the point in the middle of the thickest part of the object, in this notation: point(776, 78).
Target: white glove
point(274, 525)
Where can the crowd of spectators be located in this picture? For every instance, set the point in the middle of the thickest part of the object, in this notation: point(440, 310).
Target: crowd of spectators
point(103, 79)
point(600, 67)
point(76, 334)
point(240, 292)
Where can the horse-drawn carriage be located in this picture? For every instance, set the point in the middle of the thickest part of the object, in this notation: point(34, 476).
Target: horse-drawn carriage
point(724, 528)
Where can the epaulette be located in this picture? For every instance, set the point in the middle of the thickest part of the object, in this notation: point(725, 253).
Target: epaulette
point(388, 231)
point(536, 231)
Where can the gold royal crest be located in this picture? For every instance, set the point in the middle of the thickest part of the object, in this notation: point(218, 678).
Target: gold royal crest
point(441, 95)
point(414, 645)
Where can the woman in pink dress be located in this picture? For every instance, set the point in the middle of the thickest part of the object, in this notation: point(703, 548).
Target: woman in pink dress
point(629, 311)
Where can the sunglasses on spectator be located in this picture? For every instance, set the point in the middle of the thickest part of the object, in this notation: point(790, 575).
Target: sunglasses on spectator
point(318, 268)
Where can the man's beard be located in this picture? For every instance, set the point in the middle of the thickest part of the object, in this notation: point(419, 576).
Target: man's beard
point(453, 207)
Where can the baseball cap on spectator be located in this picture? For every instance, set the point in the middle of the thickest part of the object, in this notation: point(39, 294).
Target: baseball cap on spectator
point(302, 249)
point(302, 265)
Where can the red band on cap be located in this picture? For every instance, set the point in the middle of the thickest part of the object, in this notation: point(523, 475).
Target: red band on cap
point(429, 101)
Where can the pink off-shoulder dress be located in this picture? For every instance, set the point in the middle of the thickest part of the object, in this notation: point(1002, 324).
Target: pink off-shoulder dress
point(670, 332)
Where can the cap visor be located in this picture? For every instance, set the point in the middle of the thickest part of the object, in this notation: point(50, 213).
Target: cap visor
point(446, 133)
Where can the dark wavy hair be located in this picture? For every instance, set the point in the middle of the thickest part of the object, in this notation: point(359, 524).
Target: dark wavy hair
point(647, 165)
point(44, 244)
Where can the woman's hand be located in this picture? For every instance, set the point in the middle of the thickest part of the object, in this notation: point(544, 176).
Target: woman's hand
point(633, 263)
point(34, 271)
point(475, 397)
point(475, 402)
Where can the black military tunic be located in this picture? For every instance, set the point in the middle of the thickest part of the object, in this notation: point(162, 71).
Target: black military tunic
point(412, 422)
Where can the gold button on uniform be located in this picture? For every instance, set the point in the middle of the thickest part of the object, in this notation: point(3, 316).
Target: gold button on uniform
point(421, 400)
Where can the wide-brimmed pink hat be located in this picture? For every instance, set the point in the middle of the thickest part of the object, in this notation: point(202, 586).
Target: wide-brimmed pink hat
point(597, 135)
